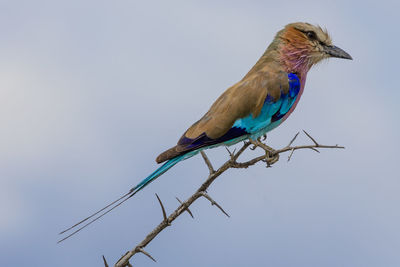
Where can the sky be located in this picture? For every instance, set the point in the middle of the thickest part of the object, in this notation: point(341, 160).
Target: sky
point(92, 91)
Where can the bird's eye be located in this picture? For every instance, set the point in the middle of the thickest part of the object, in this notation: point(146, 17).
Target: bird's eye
point(311, 35)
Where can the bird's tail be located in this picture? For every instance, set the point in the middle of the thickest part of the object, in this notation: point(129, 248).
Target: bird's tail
point(100, 213)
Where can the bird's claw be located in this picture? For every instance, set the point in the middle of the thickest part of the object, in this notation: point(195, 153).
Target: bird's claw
point(262, 138)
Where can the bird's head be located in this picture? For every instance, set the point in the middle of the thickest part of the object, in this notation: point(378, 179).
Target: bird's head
point(302, 45)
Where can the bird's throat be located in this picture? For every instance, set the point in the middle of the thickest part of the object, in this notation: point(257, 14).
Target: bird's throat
point(295, 60)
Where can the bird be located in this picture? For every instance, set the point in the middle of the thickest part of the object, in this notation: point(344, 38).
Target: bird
point(258, 103)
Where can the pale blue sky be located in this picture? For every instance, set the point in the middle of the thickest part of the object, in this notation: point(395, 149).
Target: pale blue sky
point(92, 91)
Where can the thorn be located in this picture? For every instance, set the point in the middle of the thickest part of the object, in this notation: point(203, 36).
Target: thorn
point(309, 136)
point(213, 202)
point(294, 138)
point(163, 210)
point(316, 150)
point(229, 152)
point(186, 208)
point(146, 253)
point(291, 152)
point(105, 262)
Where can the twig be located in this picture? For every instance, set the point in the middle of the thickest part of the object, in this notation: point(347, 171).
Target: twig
point(208, 162)
point(271, 157)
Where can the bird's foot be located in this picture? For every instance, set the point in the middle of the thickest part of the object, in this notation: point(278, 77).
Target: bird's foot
point(271, 157)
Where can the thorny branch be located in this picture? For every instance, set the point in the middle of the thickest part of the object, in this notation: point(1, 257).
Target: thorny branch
point(270, 157)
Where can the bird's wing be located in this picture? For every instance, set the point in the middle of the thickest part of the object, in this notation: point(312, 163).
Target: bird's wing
point(254, 102)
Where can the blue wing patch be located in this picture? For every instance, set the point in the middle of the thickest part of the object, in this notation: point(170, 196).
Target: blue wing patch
point(273, 110)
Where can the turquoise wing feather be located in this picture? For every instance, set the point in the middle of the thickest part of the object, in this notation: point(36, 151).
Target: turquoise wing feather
point(272, 111)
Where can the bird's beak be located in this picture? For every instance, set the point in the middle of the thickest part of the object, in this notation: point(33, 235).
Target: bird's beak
point(334, 51)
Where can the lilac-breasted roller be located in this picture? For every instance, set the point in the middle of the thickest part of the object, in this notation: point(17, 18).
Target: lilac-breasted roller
point(258, 103)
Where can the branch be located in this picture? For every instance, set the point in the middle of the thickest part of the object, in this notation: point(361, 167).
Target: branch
point(270, 157)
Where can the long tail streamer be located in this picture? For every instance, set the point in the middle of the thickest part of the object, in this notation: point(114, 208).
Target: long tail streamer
point(100, 213)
